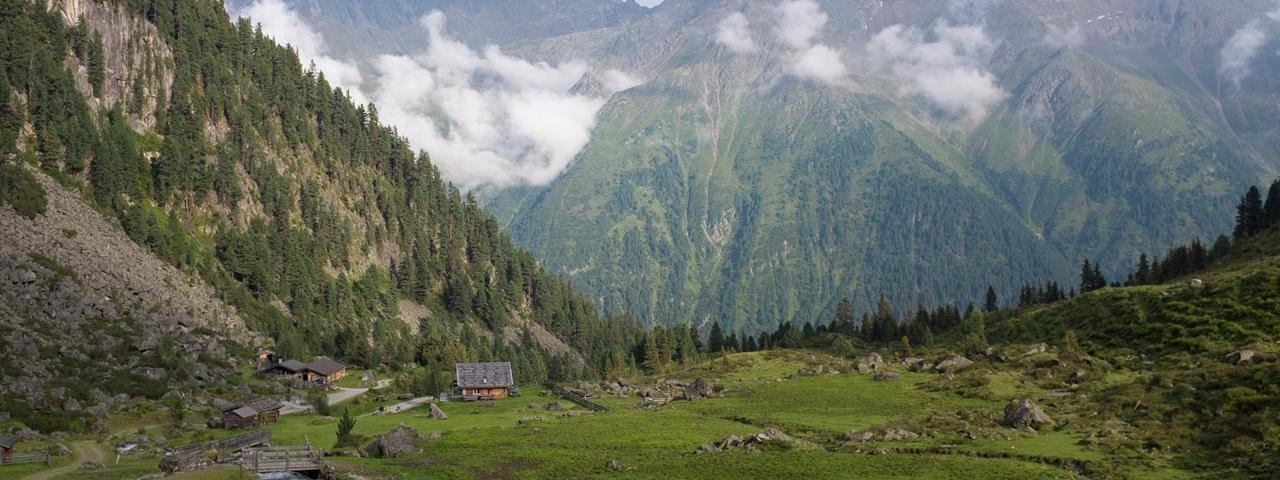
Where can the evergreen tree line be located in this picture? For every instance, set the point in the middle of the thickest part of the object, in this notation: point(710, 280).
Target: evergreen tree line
point(327, 187)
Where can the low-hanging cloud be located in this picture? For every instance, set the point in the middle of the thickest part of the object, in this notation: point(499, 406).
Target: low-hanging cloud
point(1244, 45)
point(487, 119)
point(734, 32)
point(800, 23)
point(286, 27)
point(1239, 51)
point(947, 73)
point(1058, 37)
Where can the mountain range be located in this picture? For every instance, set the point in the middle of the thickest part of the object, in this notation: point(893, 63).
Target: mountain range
point(848, 148)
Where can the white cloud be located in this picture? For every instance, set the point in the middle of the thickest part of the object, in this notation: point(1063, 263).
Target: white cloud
point(947, 73)
point(1058, 37)
point(820, 62)
point(800, 22)
point(1275, 14)
point(734, 33)
point(285, 26)
point(1240, 50)
point(617, 80)
point(486, 118)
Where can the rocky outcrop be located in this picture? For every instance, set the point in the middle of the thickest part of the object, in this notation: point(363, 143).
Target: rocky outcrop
point(1025, 413)
point(698, 390)
point(134, 53)
point(770, 436)
point(437, 413)
point(953, 364)
point(396, 442)
point(1239, 357)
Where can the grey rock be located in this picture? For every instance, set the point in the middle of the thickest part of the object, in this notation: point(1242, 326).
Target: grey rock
point(400, 440)
point(1239, 357)
point(437, 413)
point(1024, 413)
point(953, 364)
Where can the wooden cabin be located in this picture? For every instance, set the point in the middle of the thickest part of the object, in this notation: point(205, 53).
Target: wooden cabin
point(483, 381)
point(256, 414)
point(324, 371)
point(286, 369)
point(7, 442)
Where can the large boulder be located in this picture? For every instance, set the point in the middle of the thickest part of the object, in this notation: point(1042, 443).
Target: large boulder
point(1239, 357)
point(437, 413)
point(953, 364)
point(697, 390)
point(396, 442)
point(1025, 413)
point(1036, 349)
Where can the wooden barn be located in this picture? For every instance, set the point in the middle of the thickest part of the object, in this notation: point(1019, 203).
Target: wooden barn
point(286, 369)
point(7, 443)
point(324, 371)
point(483, 381)
point(256, 414)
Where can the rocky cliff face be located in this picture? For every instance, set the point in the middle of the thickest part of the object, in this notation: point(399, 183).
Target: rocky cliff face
point(137, 62)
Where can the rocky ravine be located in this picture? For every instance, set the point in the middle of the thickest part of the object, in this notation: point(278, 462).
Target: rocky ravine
point(79, 299)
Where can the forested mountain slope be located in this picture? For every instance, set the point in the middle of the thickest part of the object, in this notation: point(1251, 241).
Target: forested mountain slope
point(213, 149)
point(731, 187)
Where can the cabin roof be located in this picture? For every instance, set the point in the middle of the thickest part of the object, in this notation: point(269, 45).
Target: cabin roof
point(264, 405)
point(325, 366)
point(293, 365)
point(7, 441)
point(244, 412)
point(482, 375)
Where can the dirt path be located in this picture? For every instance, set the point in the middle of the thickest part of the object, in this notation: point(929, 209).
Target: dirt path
point(342, 395)
point(404, 406)
point(81, 451)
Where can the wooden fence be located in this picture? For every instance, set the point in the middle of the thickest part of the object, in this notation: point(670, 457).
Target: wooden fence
point(32, 458)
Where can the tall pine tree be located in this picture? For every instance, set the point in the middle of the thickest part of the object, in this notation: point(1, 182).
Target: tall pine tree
point(1250, 218)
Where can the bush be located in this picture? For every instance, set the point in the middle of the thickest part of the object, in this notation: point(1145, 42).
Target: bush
point(20, 189)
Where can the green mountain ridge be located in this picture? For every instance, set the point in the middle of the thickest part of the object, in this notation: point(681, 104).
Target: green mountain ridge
point(229, 161)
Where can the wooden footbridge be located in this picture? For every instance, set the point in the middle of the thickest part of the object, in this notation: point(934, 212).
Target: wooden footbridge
point(227, 445)
point(282, 459)
point(578, 399)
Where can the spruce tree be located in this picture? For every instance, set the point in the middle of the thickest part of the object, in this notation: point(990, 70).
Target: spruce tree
point(991, 304)
point(716, 341)
point(1271, 210)
point(843, 321)
point(345, 425)
point(1250, 217)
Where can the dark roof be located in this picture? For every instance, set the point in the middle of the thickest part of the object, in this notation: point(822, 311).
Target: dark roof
point(325, 366)
point(245, 412)
point(7, 441)
point(480, 375)
point(293, 365)
point(264, 405)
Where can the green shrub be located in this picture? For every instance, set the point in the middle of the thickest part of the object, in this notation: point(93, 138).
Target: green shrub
point(20, 189)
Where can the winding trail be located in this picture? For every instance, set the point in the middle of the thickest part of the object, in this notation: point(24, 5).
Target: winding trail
point(81, 451)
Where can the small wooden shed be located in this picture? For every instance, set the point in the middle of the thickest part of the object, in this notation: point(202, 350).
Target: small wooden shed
point(483, 381)
point(259, 413)
point(7, 443)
